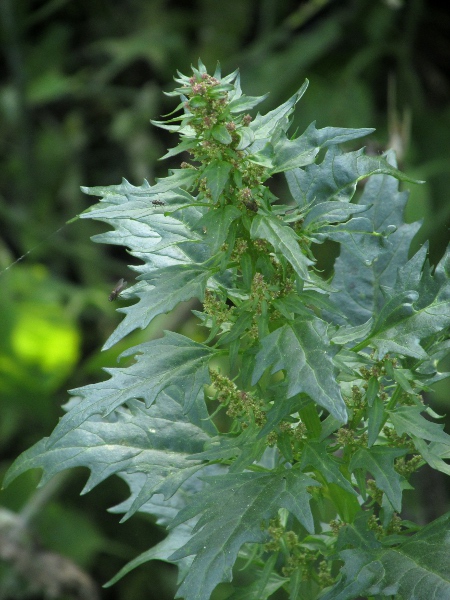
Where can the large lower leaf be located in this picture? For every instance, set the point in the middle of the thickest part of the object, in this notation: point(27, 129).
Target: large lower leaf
point(301, 349)
point(173, 360)
point(359, 281)
point(418, 569)
point(164, 510)
point(356, 235)
point(416, 308)
point(232, 511)
point(138, 216)
point(335, 178)
point(155, 442)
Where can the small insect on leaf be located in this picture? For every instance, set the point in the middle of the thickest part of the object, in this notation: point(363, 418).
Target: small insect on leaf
point(121, 285)
point(158, 203)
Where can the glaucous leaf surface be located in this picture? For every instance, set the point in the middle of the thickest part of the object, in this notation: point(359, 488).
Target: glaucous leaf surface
point(416, 569)
point(317, 383)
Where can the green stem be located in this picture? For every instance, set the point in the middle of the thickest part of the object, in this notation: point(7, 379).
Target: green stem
point(394, 398)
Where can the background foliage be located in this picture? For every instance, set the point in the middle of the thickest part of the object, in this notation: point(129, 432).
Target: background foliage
point(80, 81)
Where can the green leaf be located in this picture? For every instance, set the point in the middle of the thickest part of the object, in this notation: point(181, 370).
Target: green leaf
point(177, 179)
point(300, 348)
point(330, 212)
point(165, 510)
point(217, 222)
point(315, 455)
point(329, 426)
point(166, 288)
point(345, 335)
point(303, 303)
point(217, 174)
point(155, 442)
point(413, 314)
point(182, 147)
point(379, 461)
point(245, 449)
point(357, 235)
point(407, 419)
point(283, 239)
point(280, 410)
point(264, 126)
point(244, 103)
point(137, 198)
point(358, 534)
point(238, 329)
point(376, 420)
point(246, 136)
point(347, 505)
point(415, 570)
point(265, 155)
point(221, 134)
point(336, 177)
point(245, 501)
point(302, 151)
point(141, 226)
point(162, 551)
point(116, 194)
point(430, 453)
point(173, 360)
point(266, 583)
point(359, 282)
point(309, 416)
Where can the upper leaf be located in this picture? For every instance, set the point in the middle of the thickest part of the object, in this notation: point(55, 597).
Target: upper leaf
point(244, 103)
point(217, 173)
point(300, 348)
point(263, 126)
point(283, 239)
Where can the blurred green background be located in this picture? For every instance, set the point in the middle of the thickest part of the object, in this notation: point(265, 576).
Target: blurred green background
point(79, 82)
